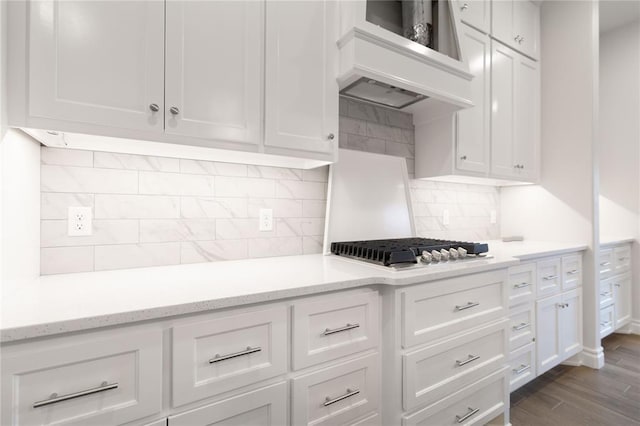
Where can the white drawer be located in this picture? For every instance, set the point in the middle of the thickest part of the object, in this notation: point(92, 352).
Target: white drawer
point(371, 420)
point(215, 356)
point(476, 404)
point(607, 321)
point(443, 308)
point(99, 379)
point(331, 327)
point(523, 366)
point(549, 273)
point(621, 259)
point(571, 271)
point(434, 372)
point(336, 395)
point(606, 265)
point(522, 325)
point(266, 406)
point(522, 280)
point(606, 292)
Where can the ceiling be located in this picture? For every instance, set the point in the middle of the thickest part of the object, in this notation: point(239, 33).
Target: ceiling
point(616, 13)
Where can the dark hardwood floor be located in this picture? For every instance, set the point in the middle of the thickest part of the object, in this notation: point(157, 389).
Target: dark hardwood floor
point(566, 396)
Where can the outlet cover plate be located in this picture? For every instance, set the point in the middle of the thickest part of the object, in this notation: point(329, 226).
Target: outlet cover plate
point(80, 221)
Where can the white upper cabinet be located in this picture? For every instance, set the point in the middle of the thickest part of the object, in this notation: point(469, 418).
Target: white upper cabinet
point(515, 115)
point(214, 69)
point(301, 66)
point(473, 123)
point(97, 62)
point(476, 13)
point(517, 24)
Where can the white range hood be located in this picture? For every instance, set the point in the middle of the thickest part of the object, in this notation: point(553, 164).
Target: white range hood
point(379, 66)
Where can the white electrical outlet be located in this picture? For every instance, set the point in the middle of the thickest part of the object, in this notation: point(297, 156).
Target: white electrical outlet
point(445, 217)
point(266, 220)
point(80, 221)
point(494, 216)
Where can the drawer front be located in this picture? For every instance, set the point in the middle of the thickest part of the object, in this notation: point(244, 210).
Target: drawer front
point(522, 280)
point(332, 327)
point(211, 357)
point(606, 265)
point(621, 259)
point(431, 373)
point(522, 326)
point(336, 395)
point(523, 366)
point(266, 406)
point(607, 321)
point(571, 271)
point(110, 380)
point(606, 292)
point(474, 405)
point(372, 420)
point(442, 308)
point(549, 277)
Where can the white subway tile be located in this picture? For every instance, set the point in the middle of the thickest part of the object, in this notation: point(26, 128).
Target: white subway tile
point(209, 207)
point(293, 227)
point(314, 208)
point(366, 143)
point(56, 205)
point(270, 247)
point(301, 190)
point(400, 149)
point(63, 260)
point(109, 206)
point(244, 187)
point(232, 229)
point(213, 251)
point(175, 184)
point(212, 168)
point(320, 174)
point(266, 172)
point(66, 157)
point(281, 207)
point(167, 230)
point(110, 160)
point(53, 233)
point(82, 179)
point(312, 245)
point(388, 133)
point(124, 256)
point(350, 125)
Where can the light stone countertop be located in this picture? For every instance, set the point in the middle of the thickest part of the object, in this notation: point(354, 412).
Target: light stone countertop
point(608, 242)
point(57, 304)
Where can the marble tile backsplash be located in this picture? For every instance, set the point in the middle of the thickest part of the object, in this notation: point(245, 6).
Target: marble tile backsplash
point(152, 211)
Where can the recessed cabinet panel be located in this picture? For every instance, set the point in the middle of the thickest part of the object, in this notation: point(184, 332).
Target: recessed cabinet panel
point(527, 118)
point(214, 69)
point(549, 276)
point(503, 83)
point(516, 23)
point(473, 123)
point(622, 299)
point(476, 13)
point(523, 366)
point(301, 65)
point(97, 62)
point(571, 323)
point(571, 271)
point(548, 333)
point(522, 327)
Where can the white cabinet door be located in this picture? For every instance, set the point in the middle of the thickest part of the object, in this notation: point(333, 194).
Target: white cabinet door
point(97, 62)
point(473, 123)
point(301, 67)
point(516, 23)
point(476, 13)
point(214, 69)
point(571, 323)
point(622, 299)
point(527, 118)
point(548, 345)
point(504, 62)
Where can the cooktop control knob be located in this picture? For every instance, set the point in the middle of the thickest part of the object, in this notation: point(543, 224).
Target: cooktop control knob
point(462, 252)
point(426, 257)
point(436, 255)
point(454, 253)
point(445, 255)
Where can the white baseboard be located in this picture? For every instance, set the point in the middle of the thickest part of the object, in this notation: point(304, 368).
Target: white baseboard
point(592, 358)
point(634, 327)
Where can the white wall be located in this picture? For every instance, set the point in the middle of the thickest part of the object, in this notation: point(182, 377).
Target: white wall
point(563, 207)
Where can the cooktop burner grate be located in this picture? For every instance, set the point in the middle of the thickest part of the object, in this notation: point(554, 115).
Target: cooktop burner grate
point(401, 250)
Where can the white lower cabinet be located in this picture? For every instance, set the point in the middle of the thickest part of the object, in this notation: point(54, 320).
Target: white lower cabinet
point(622, 300)
point(615, 293)
point(523, 366)
point(100, 379)
point(262, 407)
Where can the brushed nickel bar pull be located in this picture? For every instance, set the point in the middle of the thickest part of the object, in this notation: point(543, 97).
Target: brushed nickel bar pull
point(468, 360)
point(605, 263)
point(521, 326)
point(247, 351)
point(328, 401)
point(328, 331)
point(605, 324)
point(522, 369)
point(572, 272)
point(471, 412)
point(521, 285)
point(550, 277)
point(467, 306)
point(54, 398)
